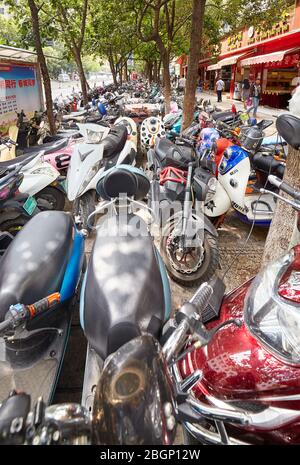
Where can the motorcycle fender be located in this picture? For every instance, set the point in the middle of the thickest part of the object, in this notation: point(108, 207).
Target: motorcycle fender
point(209, 227)
point(151, 158)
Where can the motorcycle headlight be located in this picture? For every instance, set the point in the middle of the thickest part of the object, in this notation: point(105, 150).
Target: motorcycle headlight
point(212, 187)
point(272, 307)
point(91, 173)
point(227, 153)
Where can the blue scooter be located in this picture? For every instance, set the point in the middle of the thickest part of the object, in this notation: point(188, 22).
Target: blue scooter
point(39, 277)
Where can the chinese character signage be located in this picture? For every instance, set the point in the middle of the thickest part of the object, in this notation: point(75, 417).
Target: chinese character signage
point(19, 90)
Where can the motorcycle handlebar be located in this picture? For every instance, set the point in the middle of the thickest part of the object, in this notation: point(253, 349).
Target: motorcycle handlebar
point(284, 186)
point(5, 325)
point(188, 313)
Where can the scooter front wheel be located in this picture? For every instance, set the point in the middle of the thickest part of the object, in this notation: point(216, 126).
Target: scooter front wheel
point(193, 266)
point(50, 198)
point(83, 207)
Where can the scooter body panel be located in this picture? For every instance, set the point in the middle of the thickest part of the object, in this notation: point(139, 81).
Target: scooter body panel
point(37, 176)
point(235, 181)
point(219, 204)
point(83, 169)
point(60, 159)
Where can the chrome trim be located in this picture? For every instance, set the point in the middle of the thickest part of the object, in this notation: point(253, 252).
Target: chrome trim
point(270, 418)
point(176, 341)
point(209, 437)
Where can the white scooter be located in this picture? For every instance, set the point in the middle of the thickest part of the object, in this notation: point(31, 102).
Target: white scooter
point(41, 181)
point(233, 177)
point(103, 148)
point(130, 126)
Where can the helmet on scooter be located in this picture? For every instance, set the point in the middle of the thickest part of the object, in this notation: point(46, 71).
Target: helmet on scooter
point(102, 109)
point(151, 128)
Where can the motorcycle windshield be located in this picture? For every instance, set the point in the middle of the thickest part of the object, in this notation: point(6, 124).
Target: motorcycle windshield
point(84, 165)
point(93, 133)
point(133, 402)
point(272, 307)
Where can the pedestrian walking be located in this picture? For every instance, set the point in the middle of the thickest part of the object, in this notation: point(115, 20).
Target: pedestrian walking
point(220, 86)
point(181, 83)
point(245, 92)
point(255, 94)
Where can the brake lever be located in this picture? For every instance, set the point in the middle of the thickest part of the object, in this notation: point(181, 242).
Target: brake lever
point(205, 336)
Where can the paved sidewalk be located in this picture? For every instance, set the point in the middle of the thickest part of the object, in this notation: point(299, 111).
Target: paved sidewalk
point(263, 111)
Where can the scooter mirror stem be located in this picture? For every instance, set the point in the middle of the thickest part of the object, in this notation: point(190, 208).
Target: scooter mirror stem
point(294, 204)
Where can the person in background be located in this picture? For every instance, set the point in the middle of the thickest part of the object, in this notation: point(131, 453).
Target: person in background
point(255, 94)
point(245, 92)
point(220, 86)
point(181, 83)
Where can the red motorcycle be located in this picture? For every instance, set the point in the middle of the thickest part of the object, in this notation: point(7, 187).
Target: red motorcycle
point(245, 364)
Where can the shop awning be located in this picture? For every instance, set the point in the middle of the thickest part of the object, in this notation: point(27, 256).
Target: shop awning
point(225, 62)
point(267, 58)
point(20, 54)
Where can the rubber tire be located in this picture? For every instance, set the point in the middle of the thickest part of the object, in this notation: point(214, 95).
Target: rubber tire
point(205, 272)
point(57, 194)
point(86, 204)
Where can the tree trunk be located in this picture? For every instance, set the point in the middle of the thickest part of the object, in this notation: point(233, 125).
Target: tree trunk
point(158, 72)
point(155, 71)
point(194, 57)
point(165, 59)
point(150, 71)
point(43, 64)
point(125, 70)
point(83, 82)
point(281, 234)
point(121, 72)
point(112, 69)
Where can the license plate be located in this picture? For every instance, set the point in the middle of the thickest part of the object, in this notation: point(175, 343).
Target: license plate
point(30, 205)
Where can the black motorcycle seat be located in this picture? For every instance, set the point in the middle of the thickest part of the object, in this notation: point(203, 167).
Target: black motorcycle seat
point(21, 160)
point(171, 154)
point(49, 147)
point(268, 165)
point(123, 180)
point(123, 294)
point(224, 116)
point(34, 264)
point(115, 141)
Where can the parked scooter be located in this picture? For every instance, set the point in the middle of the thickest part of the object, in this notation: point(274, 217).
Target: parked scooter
point(125, 300)
point(39, 276)
point(15, 209)
point(41, 180)
point(103, 148)
point(233, 175)
point(179, 186)
point(249, 387)
point(136, 398)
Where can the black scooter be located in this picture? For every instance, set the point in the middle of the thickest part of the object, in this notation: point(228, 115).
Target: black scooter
point(15, 208)
point(179, 185)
